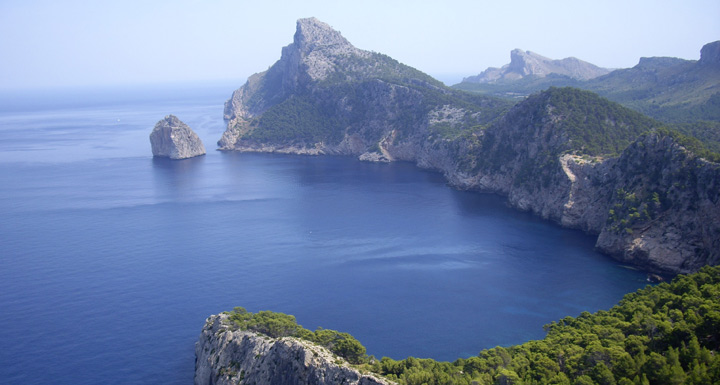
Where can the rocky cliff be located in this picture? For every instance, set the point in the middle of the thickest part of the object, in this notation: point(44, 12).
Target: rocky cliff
point(325, 96)
point(526, 63)
point(174, 139)
point(567, 155)
point(574, 158)
point(225, 355)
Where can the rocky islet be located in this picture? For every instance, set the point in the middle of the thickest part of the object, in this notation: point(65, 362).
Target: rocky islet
point(171, 138)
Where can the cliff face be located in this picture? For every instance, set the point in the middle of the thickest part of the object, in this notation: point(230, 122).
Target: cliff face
point(174, 139)
point(325, 96)
point(655, 205)
point(225, 356)
point(526, 63)
point(564, 154)
point(664, 209)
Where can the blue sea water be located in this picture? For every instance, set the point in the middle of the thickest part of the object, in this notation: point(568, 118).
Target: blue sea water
point(111, 260)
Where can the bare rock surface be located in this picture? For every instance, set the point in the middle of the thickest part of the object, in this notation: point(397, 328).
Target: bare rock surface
point(225, 356)
point(173, 139)
point(527, 63)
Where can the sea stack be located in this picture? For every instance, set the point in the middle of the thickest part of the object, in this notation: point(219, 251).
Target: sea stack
point(173, 139)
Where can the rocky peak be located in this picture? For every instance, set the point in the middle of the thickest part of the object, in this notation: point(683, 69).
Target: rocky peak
point(312, 33)
point(710, 54)
point(317, 53)
point(527, 63)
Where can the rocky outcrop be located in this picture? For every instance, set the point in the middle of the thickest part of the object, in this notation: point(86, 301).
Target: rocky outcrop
point(173, 139)
point(226, 356)
point(526, 63)
point(710, 54)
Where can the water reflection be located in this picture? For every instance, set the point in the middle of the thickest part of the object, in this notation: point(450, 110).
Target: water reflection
point(177, 179)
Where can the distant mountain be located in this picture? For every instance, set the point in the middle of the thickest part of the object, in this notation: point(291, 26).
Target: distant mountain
point(669, 89)
point(571, 156)
point(525, 63)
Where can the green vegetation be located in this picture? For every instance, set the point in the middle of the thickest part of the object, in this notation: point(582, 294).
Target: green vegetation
point(708, 132)
point(595, 125)
point(556, 122)
point(278, 325)
point(354, 68)
point(521, 88)
point(664, 334)
point(631, 210)
point(667, 334)
point(300, 119)
point(692, 144)
point(670, 90)
point(328, 113)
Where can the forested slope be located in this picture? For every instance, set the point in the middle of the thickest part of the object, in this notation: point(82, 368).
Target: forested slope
point(667, 334)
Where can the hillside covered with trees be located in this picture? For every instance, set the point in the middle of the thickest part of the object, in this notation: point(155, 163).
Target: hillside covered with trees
point(664, 334)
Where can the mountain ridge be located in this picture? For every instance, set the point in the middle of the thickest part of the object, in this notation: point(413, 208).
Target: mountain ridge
point(669, 89)
point(527, 63)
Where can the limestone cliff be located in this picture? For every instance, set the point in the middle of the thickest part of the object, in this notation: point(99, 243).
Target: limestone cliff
point(226, 356)
point(174, 139)
point(526, 63)
point(563, 154)
point(655, 204)
point(324, 96)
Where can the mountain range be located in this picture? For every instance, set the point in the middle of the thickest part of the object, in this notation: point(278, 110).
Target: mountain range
point(650, 194)
point(668, 89)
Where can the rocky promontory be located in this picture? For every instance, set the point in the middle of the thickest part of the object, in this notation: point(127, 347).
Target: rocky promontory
point(226, 355)
point(173, 139)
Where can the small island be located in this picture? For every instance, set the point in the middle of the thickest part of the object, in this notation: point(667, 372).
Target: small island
point(171, 138)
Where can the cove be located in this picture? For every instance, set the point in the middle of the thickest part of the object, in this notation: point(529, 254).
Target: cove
point(110, 260)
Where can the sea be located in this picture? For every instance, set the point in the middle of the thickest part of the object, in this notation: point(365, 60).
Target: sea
point(111, 260)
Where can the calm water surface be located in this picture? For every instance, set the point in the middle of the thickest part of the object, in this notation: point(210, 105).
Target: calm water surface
point(111, 260)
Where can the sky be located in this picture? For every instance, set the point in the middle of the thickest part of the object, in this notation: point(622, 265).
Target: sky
point(46, 44)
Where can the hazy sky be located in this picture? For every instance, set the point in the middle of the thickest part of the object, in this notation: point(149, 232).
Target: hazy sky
point(60, 43)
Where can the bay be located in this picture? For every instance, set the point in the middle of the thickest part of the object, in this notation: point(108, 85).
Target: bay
point(111, 260)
